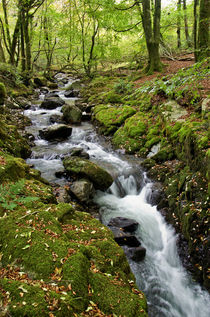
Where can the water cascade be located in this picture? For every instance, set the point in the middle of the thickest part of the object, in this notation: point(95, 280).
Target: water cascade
point(169, 288)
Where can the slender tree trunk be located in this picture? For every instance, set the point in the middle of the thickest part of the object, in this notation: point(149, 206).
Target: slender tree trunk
point(22, 44)
point(15, 39)
point(179, 24)
point(195, 29)
point(4, 5)
point(186, 29)
point(27, 41)
point(203, 32)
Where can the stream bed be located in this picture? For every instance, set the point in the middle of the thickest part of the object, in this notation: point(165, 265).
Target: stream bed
point(169, 289)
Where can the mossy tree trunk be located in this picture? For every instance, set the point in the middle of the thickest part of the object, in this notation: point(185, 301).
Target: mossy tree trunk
point(151, 26)
point(203, 32)
point(195, 28)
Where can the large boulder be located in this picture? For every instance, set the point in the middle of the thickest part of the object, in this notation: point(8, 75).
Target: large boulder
point(52, 103)
point(58, 131)
point(81, 167)
point(83, 190)
point(136, 254)
point(71, 114)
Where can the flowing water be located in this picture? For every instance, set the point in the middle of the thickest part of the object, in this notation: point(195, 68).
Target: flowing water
point(169, 288)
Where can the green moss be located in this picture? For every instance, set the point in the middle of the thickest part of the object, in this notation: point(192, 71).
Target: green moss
point(13, 168)
point(112, 97)
point(100, 178)
point(113, 296)
point(11, 141)
point(111, 117)
point(32, 303)
point(2, 93)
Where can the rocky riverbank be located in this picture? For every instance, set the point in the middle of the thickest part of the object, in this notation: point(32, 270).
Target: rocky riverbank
point(165, 121)
point(55, 260)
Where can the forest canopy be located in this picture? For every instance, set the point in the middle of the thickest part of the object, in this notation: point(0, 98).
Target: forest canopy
point(39, 35)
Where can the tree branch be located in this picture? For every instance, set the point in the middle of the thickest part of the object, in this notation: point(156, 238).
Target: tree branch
point(130, 28)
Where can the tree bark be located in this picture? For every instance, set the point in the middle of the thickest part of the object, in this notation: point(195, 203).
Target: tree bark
point(179, 24)
point(203, 32)
point(186, 29)
point(152, 33)
point(195, 29)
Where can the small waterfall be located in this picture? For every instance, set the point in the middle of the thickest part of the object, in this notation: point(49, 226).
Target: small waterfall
point(169, 289)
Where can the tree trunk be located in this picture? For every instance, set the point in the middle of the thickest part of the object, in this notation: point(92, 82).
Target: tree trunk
point(2, 55)
point(179, 24)
point(15, 39)
point(152, 34)
point(203, 32)
point(195, 29)
point(186, 29)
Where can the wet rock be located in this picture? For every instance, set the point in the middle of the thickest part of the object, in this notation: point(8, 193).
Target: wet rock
point(55, 118)
point(62, 195)
point(59, 131)
point(76, 85)
point(23, 102)
point(71, 93)
point(52, 103)
point(83, 190)
point(78, 151)
point(53, 85)
point(44, 90)
point(155, 195)
point(80, 167)
point(125, 224)
point(136, 254)
point(40, 81)
point(71, 114)
point(52, 95)
point(86, 116)
point(123, 238)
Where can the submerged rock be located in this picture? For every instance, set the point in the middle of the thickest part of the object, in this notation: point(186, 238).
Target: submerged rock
point(83, 168)
point(58, 131)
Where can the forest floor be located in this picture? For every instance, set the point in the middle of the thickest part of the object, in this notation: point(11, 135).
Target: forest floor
point(171, 66)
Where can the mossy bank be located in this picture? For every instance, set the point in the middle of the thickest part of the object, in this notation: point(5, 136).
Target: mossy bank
point(166, 122)
point(54, 259)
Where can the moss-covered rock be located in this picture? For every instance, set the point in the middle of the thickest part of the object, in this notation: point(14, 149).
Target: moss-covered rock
point(2, 93)
point(100, 178)
point(11, 141)
point(57, 260)
point(131, 136)
point(111, 117)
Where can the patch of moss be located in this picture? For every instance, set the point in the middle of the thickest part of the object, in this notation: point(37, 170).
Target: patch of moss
point(111, 117)
point(113, 296)
point(11, 141)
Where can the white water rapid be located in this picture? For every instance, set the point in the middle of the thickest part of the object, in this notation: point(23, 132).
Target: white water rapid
point(169, 288)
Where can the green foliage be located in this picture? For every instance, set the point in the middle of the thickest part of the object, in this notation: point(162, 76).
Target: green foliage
point(12, 195)
point(183, 84)
point(123, 87)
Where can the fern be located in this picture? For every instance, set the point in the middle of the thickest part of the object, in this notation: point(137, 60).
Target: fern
point(11, 195)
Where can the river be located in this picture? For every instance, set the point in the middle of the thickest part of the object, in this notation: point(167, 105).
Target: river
point(170, 290)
